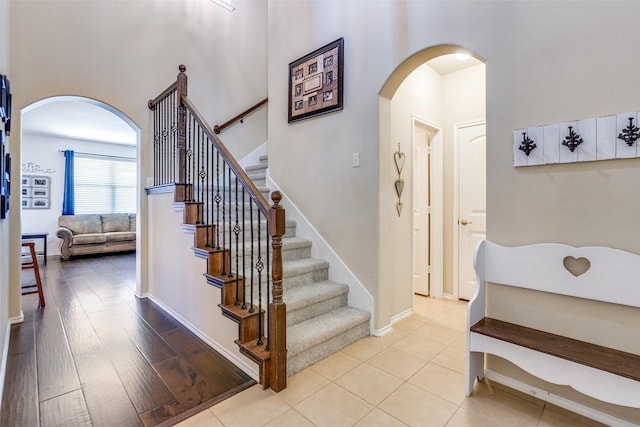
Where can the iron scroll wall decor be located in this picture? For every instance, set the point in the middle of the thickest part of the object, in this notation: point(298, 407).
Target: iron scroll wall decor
point(600, 138)
point(399, 158)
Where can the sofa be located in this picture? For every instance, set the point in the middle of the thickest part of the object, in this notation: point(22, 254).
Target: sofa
point(96, 234)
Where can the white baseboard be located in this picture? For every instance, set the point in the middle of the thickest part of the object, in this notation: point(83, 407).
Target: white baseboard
point(385, 330)
point(250, 370)
point(5, 356)
point(18, 319)
point(403, 315)
point(546, 396)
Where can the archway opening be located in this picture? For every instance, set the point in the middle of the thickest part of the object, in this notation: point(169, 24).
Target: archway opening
point(101, 137)
point(426, 106)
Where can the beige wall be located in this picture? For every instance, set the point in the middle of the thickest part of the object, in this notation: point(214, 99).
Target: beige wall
point(184, 291)
point(421, 95)
point(547, 62)
point(125, 52)
point(4, 224)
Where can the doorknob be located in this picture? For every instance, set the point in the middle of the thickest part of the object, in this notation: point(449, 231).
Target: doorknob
point(464, 222)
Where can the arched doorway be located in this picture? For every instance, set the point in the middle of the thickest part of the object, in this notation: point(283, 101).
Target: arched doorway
point(421, 105)
point(95, 131)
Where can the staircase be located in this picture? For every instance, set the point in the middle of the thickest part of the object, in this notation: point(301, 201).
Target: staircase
point(289, 314)
point(319, 320)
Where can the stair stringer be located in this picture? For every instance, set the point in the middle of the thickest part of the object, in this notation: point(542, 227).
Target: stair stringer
point(182, 291)
point(359, 296)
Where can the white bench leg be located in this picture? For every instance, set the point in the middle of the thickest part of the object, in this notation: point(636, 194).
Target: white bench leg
point(475, 369)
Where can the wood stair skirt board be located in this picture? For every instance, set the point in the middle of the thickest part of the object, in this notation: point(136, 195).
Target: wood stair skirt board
point(319, 320)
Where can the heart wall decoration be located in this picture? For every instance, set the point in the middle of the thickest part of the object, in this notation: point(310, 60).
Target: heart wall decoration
point(399, 187)
point(399, 159)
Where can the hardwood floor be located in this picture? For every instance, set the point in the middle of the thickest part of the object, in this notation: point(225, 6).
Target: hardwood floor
point(96, 355)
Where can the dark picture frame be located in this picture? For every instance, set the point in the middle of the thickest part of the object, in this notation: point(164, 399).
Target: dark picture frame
point(5, 103)
point(316, 82)
point(4, 96)
point(3, 196)
point(5, 178)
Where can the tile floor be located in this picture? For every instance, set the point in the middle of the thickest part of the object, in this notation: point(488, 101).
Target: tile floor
point(412, 377)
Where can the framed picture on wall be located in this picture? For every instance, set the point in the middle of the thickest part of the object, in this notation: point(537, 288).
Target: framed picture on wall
point(35, 192)
point(39, 203)
point(4, 96)
point(315, 82)
point(3, 196)
point(39, 192)
point(40, 181)
point(7, 122)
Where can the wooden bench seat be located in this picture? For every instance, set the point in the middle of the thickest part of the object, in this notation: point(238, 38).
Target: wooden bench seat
point(603, 274)
point(592, 355)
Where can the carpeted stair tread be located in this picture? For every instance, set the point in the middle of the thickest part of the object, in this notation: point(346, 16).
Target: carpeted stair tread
point(314, 331)
point(292, 248)
point(255, 176)
point(255, 168)
point(319, 320)
point(300, 266)
point(288, 244)
point(304, 296)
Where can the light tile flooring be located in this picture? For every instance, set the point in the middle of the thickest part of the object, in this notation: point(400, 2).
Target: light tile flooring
point(414, 376)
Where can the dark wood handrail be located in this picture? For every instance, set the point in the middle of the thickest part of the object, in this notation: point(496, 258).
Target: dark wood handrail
point(246, 182)
point(219, 128)
point(153, 102)
point(174, 86)
point(171, 141)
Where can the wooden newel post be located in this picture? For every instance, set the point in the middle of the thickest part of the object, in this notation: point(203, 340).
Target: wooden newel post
point(181, 145)
point(277, 307)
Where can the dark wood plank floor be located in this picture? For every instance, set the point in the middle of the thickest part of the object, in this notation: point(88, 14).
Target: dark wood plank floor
point(96, 355)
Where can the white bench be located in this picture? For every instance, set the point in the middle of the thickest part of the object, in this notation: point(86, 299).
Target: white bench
point(613, 276)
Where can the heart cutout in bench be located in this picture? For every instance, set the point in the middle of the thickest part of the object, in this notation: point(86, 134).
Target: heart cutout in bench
point(576, 266)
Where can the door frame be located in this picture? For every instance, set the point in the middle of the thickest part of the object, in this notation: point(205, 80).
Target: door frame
point(456, 204)
point(436, 182)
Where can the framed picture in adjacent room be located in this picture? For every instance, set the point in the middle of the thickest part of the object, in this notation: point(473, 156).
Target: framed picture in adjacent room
point(35, 192)
point(39, 203)
point(40, 181)
point(315, 82)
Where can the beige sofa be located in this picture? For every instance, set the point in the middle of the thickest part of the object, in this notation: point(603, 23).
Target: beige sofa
point(96, 234)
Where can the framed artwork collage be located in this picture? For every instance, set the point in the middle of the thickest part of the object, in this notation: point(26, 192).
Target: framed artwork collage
point(35, 192)
point(315, 82)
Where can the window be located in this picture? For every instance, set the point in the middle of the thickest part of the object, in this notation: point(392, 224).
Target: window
point(104, 184)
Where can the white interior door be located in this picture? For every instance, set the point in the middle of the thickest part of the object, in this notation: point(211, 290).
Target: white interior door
point(428, 211)
point(421, 207)
point(472, 205)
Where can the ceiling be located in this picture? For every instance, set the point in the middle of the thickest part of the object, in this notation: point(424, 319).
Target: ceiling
point(446, 64)
point(78, 118)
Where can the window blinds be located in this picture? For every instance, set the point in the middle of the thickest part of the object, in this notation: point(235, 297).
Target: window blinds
point(104, 184)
